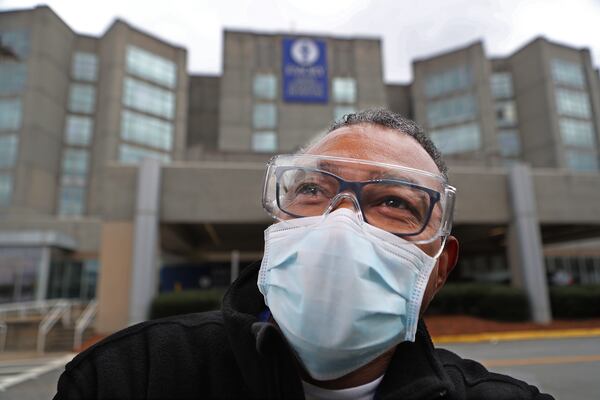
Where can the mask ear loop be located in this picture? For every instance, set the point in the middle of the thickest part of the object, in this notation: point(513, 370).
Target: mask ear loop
point(441, 249)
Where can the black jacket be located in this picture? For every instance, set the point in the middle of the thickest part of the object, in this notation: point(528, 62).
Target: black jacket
point(230, 354)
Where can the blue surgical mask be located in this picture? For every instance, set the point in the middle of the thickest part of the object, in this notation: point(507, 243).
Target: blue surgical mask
point(342, 291)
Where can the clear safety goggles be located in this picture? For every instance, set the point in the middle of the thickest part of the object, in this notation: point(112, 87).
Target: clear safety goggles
point(413, 204)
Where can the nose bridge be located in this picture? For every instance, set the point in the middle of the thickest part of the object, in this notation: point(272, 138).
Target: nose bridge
point(345, 200)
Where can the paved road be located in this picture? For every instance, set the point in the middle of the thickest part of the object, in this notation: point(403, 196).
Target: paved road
point(568, 369)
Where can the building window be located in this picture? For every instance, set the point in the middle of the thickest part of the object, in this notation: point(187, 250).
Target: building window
point(341, 111)
point(448, 81)
point(344, 90)
point(75, 163)
point(10, 114)
point(509, 143)
point(85, 66)
point(567, 73)
point(78, 131)
point(8, 151)
point(5, 189)
point(581, 161)
point(457, 139)
point(264, 142)
point(149, 66)
point(145, 130)
point(572, 103)
point(15, 44)
point(264, 116)
point(82, 98)
point(133, 155)
point(576, 133)
point(12, 77)
point(265, 86)
point(71, 200)
point(451, 110)
point(501, 84)
point(506, 113)
point(147, 98)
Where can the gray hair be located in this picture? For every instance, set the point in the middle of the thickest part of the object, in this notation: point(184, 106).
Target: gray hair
point(391, 120)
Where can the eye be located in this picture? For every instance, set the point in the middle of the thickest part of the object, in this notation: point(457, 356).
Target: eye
point(310, 189)
point(395, 202)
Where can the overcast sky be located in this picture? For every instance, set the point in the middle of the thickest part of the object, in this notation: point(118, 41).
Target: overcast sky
point(409, 29)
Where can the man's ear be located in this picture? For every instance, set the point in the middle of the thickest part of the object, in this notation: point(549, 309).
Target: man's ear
point(447, 261)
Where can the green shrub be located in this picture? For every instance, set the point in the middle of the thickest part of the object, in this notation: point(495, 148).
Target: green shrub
point(575, 301)
point(483, 300)
point(185, 302)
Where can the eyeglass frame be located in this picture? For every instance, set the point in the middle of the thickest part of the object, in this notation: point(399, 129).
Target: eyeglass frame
point(356, 187)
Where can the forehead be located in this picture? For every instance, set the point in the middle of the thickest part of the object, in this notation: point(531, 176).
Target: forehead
point(375, 143)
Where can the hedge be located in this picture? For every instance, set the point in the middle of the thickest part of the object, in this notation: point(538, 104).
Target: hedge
point(503, 302)
point(185, 302)
point(483, 300)
point(581, 301)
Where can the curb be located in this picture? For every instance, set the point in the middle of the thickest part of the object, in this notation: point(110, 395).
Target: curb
point(516, 335)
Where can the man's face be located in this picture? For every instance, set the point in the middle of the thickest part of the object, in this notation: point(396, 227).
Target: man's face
point(380, 144)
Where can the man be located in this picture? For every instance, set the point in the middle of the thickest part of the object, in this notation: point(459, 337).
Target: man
point(361, 246)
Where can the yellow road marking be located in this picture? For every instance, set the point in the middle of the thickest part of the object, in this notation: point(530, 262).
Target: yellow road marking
point(541, 360)
point(516, 335)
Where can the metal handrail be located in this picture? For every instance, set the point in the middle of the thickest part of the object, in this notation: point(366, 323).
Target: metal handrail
point(23, 308)
point(3, 330)
point(61, 308)
point(84, 322)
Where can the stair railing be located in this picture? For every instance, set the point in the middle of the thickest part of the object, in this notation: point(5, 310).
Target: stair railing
point(61, 308)
point(83, 322)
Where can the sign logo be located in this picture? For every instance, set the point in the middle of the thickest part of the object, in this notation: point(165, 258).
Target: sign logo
point(304, 70)
point(305, 52)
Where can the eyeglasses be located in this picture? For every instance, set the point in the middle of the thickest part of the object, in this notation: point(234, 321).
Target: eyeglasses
point(410, 203)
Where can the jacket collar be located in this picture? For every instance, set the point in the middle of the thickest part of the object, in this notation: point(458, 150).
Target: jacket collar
point(266, 361)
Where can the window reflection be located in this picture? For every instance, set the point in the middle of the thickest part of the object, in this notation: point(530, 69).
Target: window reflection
point(150, 66)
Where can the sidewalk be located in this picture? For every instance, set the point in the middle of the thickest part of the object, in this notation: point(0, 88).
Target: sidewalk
point(468, 329)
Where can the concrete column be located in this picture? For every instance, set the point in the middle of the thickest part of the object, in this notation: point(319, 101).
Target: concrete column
point(41, 288)
point(524, 234)
point(145, 261)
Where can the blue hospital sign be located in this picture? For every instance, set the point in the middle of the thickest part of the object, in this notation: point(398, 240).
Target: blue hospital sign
point(304, 71)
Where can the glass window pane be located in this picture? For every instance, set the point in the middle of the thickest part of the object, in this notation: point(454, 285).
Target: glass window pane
point(85, 66)
point(581, 161)
point(10, 114)
point(151, 99)
point(567, 73)
point(82, 98)
point(506, 113)
point(451, 110)
point(5, 189)
point(264, 142)
point(344, 90)
point(264, 116)
point(149, 66)
point(501, 84)
point(15, 44)
point(71, 200)
point(78, 130)
point(149, 131)
point(12, 77)
point(448, 81)
point(265, 86)
point(577, 133)
point(509, 143)
point(340, 111)
point(572, 103)
point(75, 162)
point(8, 150)
point(133, 155)
point(457, 139)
